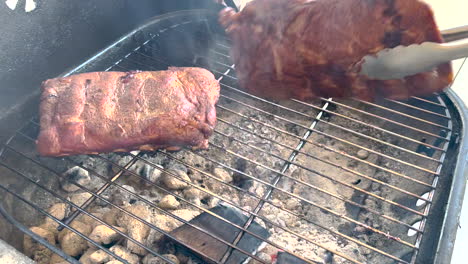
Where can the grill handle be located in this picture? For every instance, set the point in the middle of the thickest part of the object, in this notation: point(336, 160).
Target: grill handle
point(454, 34)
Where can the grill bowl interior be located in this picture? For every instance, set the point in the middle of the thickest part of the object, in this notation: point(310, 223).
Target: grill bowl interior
point(360, 181)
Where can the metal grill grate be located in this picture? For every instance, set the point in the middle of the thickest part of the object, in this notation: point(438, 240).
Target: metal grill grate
point(361, 175)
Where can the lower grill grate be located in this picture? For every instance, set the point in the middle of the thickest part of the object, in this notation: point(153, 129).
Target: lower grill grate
point(335, 181)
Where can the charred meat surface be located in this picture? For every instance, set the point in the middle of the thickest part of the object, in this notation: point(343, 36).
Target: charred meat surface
point(117, 111)
point(304, 49)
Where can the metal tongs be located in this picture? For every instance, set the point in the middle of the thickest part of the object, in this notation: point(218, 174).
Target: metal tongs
point(402, 61)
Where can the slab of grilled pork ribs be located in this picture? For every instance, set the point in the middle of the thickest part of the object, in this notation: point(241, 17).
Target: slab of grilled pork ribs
point(305, 49)
point(98, 112)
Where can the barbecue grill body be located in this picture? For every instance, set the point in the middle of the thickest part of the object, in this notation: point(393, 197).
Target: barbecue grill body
point(428, 120)
point(58, 34)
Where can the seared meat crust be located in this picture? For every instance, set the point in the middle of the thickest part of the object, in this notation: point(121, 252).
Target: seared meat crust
point(117, 111)
point(305, 49)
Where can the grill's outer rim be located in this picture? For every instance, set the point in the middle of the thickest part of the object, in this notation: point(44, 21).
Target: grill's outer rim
point(457, 191)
